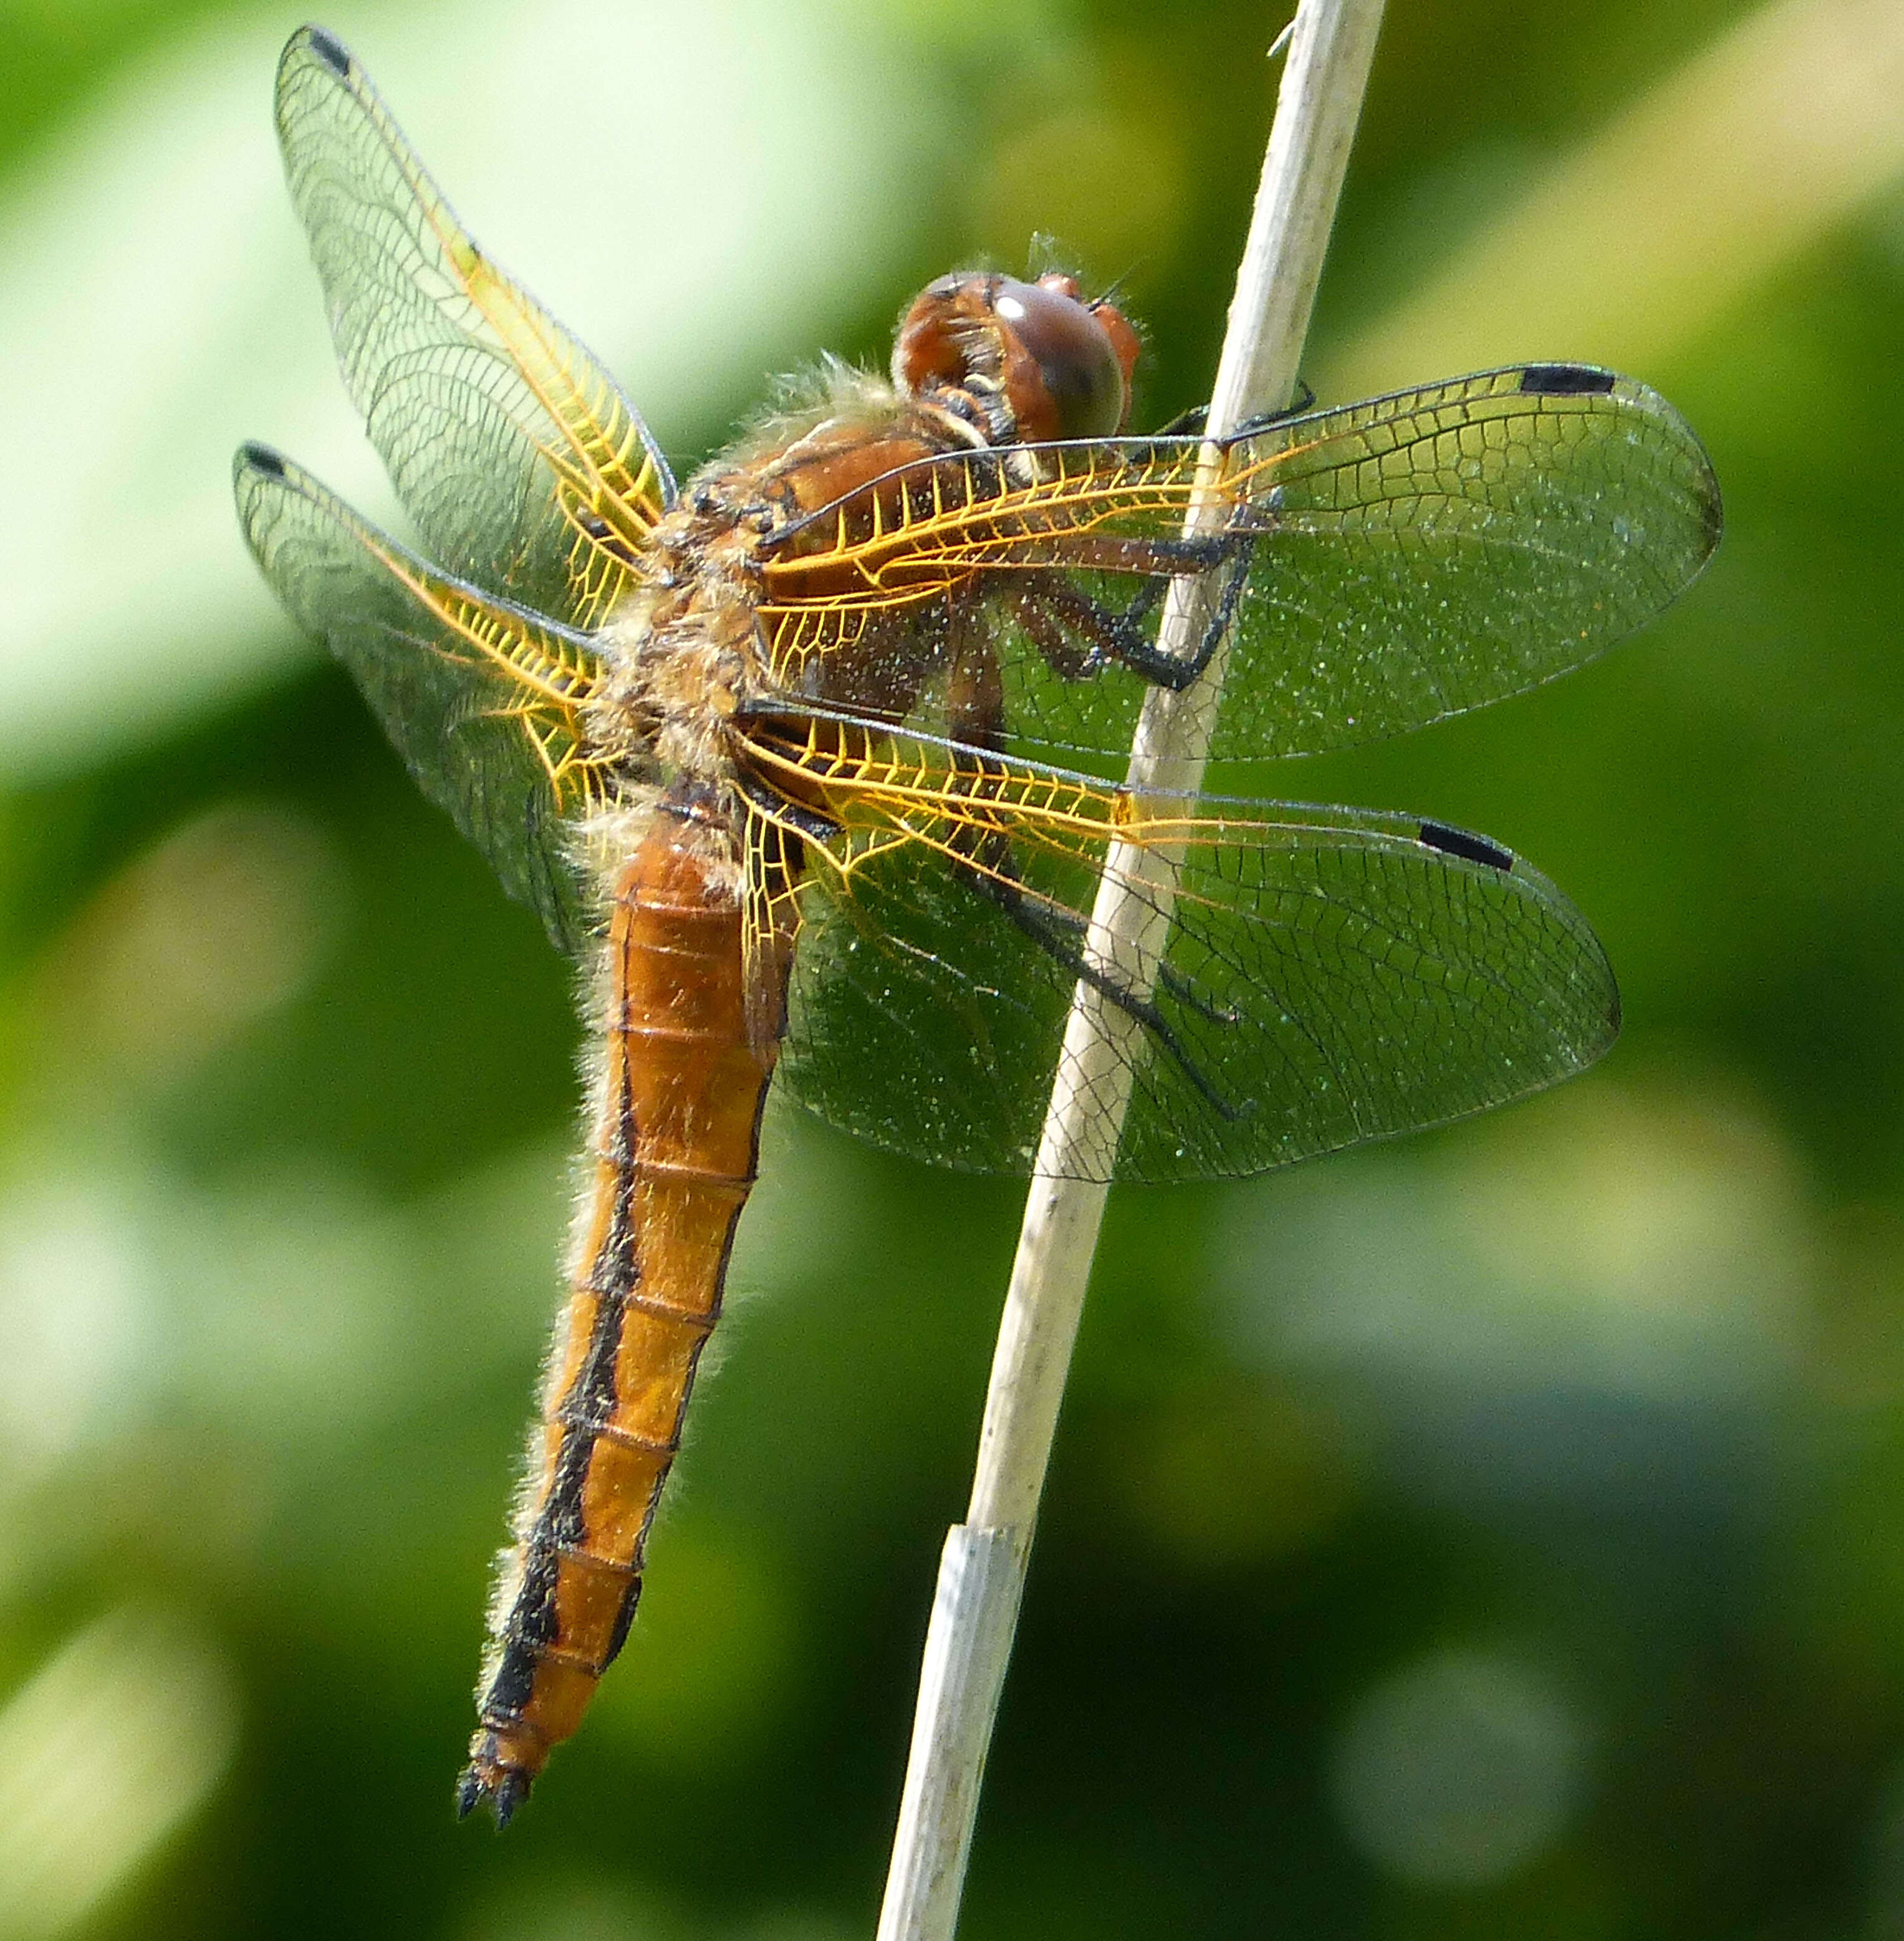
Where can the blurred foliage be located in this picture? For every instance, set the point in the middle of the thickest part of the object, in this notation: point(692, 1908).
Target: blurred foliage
point(1501, 1534)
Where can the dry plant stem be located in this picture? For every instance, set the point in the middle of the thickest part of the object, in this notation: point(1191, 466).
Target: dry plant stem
point(982, 1571)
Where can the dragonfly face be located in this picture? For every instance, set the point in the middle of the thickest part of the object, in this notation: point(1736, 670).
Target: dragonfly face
point(808, 761)
point(1018, 362)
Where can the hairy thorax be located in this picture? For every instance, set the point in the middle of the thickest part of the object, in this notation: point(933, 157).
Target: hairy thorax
point(687, 650)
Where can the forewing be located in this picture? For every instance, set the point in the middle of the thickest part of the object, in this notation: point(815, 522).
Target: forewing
point(481, 698)
point(1404, 559)
point(525, 469)
point(1329, 976)
point(1430, 552)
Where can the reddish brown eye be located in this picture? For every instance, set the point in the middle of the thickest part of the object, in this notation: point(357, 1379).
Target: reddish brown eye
point(1074, 357)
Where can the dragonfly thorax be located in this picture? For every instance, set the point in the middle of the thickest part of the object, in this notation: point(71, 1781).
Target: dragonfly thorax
point(678, 661)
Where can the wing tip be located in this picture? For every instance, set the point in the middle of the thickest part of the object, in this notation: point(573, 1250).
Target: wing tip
point(1711, 505)
point(1578, 380)
point(1566, 381)
point(253, 457)
point(1480, 850)
point(324, 45)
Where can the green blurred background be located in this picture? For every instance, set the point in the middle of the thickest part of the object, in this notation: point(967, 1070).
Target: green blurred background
point(1500, 1533)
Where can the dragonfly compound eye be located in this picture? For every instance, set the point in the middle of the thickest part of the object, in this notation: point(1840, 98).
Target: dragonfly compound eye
point(1083, 380)
point(1025, 360)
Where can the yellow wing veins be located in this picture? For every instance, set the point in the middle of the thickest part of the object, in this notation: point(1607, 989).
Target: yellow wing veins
point(610, 508)
point(556, 677)
point(885, 791)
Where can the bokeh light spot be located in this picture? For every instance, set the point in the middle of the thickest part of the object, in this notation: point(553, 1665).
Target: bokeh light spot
point(222, 922)
point(1462, 1769)
point(105, 1752)
point(75, 1297)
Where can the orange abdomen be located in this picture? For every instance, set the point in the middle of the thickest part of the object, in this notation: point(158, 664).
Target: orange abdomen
point(674, 1156)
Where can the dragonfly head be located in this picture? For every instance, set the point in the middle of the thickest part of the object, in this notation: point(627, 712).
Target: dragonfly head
point(1024, 362)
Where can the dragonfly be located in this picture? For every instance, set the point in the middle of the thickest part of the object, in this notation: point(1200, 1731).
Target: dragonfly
point(813, 764)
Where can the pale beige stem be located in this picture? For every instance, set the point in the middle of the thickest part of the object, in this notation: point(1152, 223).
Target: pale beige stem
point(982, 1571)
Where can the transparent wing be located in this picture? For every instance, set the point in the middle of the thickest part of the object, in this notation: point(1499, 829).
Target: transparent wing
point(482, 699)
point(1327, 975)
point(1386, 563)
point(525, 469)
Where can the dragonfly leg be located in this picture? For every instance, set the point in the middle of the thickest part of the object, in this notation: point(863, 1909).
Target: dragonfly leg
point(976, 709)
point(1049, 606)
point(783, 811)
point(1118, 634)
point(1303, 401)
point(1045, 630)
point(1046, 922)
point(1060, 933)
point(1189, 423)
point(1128, 643)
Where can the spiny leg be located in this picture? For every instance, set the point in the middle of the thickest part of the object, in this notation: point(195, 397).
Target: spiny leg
point(1117, 634)
point(1060, 932)
point(976, 712)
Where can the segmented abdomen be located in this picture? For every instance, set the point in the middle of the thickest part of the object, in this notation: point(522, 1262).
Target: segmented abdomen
point(674, 1156)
